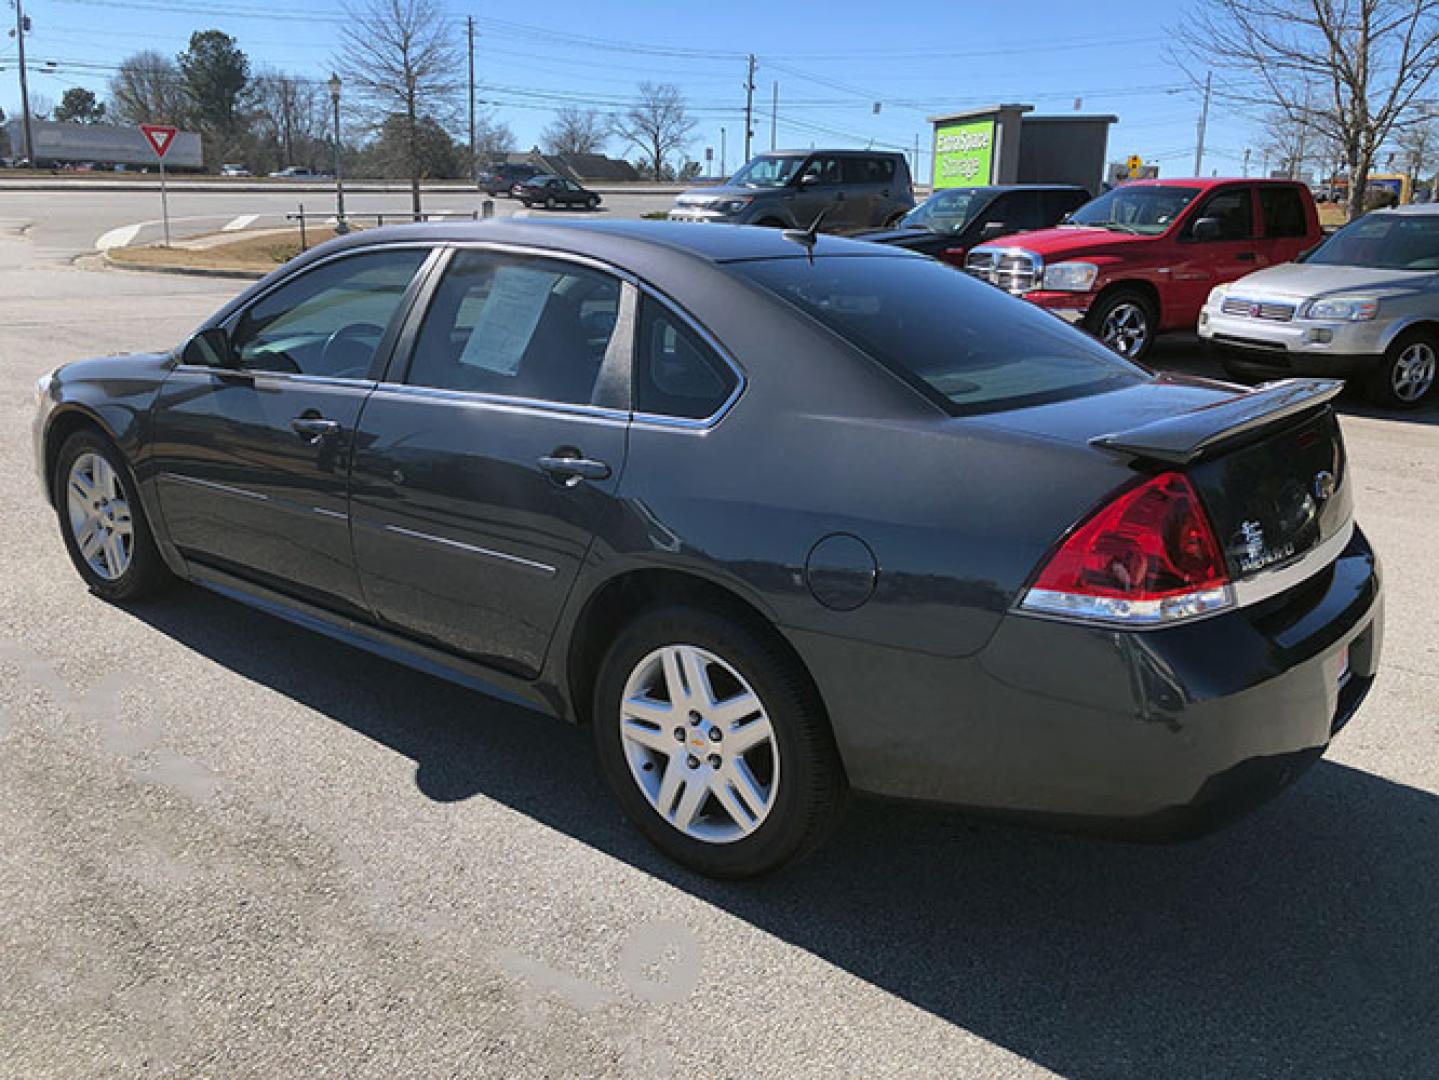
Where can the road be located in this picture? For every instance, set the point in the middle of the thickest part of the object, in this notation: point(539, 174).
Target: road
point(71, 223)
point(231, 848)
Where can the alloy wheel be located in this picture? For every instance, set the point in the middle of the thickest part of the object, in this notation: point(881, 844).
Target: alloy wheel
point(100, 519)
point(1125, 329)
point(699, 744)
point(1413, 373)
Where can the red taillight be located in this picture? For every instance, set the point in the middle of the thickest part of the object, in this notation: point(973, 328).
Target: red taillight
point(1149, 556)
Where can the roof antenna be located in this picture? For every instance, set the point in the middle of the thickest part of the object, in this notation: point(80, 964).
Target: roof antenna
point(807, 238)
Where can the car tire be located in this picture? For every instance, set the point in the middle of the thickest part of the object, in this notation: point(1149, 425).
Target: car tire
point(763, 792)
point(550, 203)
point(593, 202)
point(95, 495)
point(1405, 376)
point(1125, 320)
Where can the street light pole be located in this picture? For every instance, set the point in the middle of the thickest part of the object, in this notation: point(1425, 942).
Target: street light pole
point(341, 226)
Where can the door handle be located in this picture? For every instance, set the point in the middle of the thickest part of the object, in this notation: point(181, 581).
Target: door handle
point(314, 429)
point(571, 469)
point(1247, 256)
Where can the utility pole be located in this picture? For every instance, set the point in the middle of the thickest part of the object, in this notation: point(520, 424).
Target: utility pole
point(724, 172)
point(1298, 170)
point(774, 115)
point(1246, 163)
point(1203, 124)
point(474, 163)
point(22, 27)
point(749, 107)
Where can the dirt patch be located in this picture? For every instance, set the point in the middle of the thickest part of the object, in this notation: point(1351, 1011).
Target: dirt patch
point(261, 252)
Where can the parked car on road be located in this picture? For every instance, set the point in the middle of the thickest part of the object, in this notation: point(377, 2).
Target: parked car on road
point(501, 179)
point(1141, 258)
point(852, 189)
point(776, 519)
point(950, 222)
point(552, 192)
point(1365, 304)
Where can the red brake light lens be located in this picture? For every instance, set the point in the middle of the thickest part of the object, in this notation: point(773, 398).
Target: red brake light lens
point(1147, 557)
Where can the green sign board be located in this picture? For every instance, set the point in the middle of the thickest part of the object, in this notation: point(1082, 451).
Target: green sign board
point(964, 154)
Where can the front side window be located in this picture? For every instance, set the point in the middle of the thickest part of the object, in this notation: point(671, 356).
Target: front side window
point(948, 211)
point(966, 345)
point(822, 170)
point(517, 326)
point(1019, 210)
point(329, 320)
point(1234, 210)
point(1143, 211)
point(676, 373)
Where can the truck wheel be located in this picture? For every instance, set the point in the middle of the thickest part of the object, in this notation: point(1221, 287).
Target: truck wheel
point(1125, 321)
point(1405, 377)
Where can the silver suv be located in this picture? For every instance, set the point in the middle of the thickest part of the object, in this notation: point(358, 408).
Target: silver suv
point(854, 189)
point(1363, 304)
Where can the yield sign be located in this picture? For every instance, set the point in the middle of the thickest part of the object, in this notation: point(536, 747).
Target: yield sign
point(160, 137)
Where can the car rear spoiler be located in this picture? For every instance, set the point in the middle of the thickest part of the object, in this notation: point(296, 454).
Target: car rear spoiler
point(1186, 437)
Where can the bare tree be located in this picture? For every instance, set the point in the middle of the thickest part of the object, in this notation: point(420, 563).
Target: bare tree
point(657, 125)
point(1417, 145)
point(492, 137)
point(147, 90)
point(576, 131)
point(1346, 69)
point(397, 57)
point(293, 113)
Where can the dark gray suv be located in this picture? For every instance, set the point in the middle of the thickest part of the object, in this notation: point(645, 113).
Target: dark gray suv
point(854, 189)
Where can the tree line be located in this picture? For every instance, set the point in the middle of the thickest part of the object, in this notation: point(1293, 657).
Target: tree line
point(403, 101)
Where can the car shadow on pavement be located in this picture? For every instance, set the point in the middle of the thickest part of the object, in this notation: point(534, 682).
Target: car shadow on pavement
point(1299, 942)
point(1185, 354)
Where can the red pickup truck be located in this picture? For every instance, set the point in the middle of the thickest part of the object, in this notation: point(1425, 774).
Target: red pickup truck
point(1141, 259)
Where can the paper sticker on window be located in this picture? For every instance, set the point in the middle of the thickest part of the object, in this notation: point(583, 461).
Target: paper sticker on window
point(507, 322)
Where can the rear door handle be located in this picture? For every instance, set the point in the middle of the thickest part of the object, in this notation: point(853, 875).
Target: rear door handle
point(572, 469)
point(314, 429)
point(1247, 256)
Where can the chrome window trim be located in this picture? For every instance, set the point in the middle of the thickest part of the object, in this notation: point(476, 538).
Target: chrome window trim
point(1271, 582)
point(543, 568)
point(287, 376)
point(503, 401)
point(648, 419)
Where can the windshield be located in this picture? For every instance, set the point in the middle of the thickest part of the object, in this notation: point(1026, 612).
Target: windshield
point(937, 330)
point(1144, 211)
point(947, 212)
point(1384, 242)
point(767, 172)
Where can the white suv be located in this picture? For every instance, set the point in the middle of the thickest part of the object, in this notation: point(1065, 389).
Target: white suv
point(1363, 304)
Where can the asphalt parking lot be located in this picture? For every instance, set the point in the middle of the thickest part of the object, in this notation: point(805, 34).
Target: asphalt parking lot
point(231, 848)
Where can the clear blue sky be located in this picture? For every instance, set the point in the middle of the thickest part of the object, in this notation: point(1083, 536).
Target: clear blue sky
point(833, 61)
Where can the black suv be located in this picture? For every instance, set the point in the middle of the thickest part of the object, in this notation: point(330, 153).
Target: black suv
point(950, 222)
point(854, 189)
point(498, 179)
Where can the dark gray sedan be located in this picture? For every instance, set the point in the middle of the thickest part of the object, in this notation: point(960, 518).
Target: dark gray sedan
point(779, 517)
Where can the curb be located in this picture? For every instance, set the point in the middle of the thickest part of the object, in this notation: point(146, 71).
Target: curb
point(112, 263)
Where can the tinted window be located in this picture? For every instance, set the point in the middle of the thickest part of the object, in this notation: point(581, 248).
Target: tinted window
point(676, 373)
point(1059, 203)
point(329, 320)
point(767, 172)
point(1283, 211)
point(1018, 210)
point(947, 211)
point(863, 170)
point(966, 345)
point(1234, 210)
point(517, 326)
point(822, 170)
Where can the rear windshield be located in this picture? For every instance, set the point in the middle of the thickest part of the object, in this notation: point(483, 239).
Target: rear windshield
point(966, 345)
point(1383, 242)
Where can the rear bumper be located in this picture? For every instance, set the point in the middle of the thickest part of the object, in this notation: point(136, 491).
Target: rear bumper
point(1157, 734)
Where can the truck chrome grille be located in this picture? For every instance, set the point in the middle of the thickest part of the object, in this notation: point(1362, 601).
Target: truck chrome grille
point(1257, 309)
point(1013, 271)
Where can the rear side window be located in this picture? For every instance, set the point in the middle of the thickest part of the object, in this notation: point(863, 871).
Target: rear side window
point(868, 170)
point(676, 373)
point(966, 345)
point(1283, 211)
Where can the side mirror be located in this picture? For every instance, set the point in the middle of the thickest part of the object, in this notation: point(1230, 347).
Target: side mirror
point(1207, 228)
point(211, 348)
point(993, 229)
point(808, 179)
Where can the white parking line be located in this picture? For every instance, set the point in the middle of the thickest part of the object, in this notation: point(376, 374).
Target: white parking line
point(244, 221)
point(121, 237)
